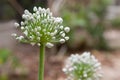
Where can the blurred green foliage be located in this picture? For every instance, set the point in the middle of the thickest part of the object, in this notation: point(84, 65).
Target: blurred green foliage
point(98, 8)
point(4, 55)
point(90, 17)
point(5, 58)
point(116, 22)
point(3, 77)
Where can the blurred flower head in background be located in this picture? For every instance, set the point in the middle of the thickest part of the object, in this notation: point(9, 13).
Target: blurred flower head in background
point(41, 27)
point(82, 67)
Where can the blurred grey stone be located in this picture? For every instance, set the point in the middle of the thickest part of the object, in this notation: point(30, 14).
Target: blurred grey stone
point(113, 38)
point(6, 29)
point(113, 12)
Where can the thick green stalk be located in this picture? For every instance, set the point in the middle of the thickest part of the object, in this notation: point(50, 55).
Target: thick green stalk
point(41, 62)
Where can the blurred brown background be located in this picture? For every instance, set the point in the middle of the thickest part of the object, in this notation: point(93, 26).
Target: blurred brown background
point(95, 27)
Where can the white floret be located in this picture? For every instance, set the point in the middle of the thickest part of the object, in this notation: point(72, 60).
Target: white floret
point(38, 44)
point(35, 9)
point(32, 43)
point(62, 40)
point(67, 29)
point(26, 12)
point(58, 20)
point(22, 23)
point(66, 38)
point(20, 38)
point(63, 34)
point(25, 32)
point(22, 28)
point(61, 27)
point(24, 16)
point(14, 34)
point(16, 24)
point(49, 45)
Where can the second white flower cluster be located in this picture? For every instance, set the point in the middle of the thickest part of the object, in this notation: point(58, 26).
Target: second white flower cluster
point(82, 67)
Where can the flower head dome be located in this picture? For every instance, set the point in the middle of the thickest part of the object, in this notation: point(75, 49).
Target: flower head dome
point(82, 67)
point(41, 27)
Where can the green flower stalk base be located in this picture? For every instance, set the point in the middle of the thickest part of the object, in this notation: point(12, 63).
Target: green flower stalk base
point(41, 62)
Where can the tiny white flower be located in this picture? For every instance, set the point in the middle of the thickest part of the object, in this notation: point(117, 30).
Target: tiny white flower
point(66, 38)
point(14, 34)
point(61, 27)
point(85, 75)
point(58, 20)
point(22, 28)
point(22, 23)
point(39, 9)
point(97, 65)
point(63, 34)
point(49, 45)
point(67, 29)
point(24, 16)
point(54, 33)
point(39, 28)
point(38, 44)
point(64, 69)
point(62, 40)
point(26, 12)
point(44, 30)
point(37, 12)
point(53, 38)
point(71, 69)
point(31, 37)
point(35, 8)
point(32, 43)
point(35, 29)
point(16, 24)
point(20, 38)
point(25, 32)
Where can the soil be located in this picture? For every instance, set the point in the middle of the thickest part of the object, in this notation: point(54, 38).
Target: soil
point(29, 57)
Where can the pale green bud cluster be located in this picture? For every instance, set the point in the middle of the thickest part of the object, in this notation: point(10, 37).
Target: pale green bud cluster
point(41, 27)
point(82, 67)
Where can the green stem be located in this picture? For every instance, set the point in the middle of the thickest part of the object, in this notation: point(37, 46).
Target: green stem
point(41, 62)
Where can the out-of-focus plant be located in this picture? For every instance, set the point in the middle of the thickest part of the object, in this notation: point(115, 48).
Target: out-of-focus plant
point(74, 16)
point(90, 17)
point(82, 67)
point(116, 22)
point(4, 55)
point(97, 23)
point(7, 59)
point(41, 28)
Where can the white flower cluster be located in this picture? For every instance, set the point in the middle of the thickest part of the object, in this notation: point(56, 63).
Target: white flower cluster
point(82, 67)
point(41, 27)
